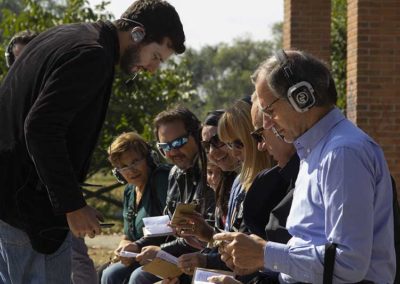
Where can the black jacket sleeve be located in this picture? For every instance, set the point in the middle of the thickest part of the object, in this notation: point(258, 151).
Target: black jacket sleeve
point(74, 80)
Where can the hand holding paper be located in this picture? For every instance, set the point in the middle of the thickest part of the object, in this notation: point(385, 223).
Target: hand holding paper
point(148, 254)
point(164, 265)
point(246, 252)
point(203, 276)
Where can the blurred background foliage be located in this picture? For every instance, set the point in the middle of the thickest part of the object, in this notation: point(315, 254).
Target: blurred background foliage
point(205, 79)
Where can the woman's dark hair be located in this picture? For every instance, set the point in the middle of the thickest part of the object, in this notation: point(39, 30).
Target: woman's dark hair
point(224, 187)
point(213, 117)
point(159, 19)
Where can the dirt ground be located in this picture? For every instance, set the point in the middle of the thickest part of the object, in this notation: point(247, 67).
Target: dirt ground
point(101, 247)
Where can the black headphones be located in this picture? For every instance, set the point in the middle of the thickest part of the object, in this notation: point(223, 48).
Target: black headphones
point(10, 58)
point(301, 95)
point(137, 33)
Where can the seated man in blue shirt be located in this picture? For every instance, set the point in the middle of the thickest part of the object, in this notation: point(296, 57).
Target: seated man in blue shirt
point(343, 192)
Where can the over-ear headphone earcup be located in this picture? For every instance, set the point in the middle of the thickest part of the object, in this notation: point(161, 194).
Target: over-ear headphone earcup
point(301, 95)
point(10, 58)
point(137, 34)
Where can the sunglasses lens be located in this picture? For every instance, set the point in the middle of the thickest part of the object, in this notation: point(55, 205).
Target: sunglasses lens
point(235, 144)
point(180, 142)
point(238, 144)
point(175, 144)
point(258, 137)
point(216, 142)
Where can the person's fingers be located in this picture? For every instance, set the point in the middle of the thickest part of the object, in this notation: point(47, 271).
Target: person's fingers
point(126, 261)
point(188, 270)
point(225, 237)
point(215, 279)
point(222, 279)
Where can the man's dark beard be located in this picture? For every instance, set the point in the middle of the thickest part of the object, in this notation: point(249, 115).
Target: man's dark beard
point(129, 58)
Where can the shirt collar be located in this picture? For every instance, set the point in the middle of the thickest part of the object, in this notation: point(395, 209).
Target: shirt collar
point(307, 142)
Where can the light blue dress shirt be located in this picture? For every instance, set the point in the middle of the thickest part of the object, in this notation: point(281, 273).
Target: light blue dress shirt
point(343, 195)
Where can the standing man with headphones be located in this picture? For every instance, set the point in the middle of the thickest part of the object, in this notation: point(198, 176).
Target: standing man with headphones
point(53, 102)
point(341, 217)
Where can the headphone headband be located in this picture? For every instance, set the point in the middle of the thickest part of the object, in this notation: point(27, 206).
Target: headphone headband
point(300, 94)
point(133, 21)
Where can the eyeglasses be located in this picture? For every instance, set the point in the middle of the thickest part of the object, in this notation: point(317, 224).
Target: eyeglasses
point(134, 165)
point(257, 135)
point(237, 144)
point(267, 110)
point(174, 144)
point(214, 141)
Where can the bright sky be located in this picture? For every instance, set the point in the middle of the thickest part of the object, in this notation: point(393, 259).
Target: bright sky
point(208, 22)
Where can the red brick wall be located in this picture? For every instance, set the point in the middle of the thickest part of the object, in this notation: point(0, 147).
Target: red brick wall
point(307, 27)
point(373, 74)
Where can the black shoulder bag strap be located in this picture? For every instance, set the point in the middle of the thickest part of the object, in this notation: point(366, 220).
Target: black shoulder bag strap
point(329, 262)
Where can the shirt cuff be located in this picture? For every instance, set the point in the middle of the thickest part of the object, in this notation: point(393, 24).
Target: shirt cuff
point(276, 256)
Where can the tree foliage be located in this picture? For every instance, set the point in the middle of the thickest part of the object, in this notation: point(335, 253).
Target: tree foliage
point(221, 73)
point(339, 48)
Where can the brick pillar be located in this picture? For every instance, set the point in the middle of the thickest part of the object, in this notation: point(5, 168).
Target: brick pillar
point(373, 74)
point(307, 27)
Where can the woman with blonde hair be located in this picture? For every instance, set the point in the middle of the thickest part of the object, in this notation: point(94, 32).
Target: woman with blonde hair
point(144, 196)
point(234, 130)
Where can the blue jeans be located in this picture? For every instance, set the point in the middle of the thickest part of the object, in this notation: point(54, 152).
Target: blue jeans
point(142, 277)
point(19, 263)
point(117, 273)
point(83, 271)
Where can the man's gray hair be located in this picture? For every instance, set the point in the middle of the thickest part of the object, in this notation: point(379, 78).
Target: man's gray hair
point(304, 67)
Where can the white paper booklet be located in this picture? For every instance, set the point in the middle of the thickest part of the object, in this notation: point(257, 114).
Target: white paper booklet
point(124, 253)
point(168, 257)
point(156, 226)
point(201, 275)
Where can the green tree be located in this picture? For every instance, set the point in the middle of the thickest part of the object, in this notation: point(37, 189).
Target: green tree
point(221, 73)
point(339, 48)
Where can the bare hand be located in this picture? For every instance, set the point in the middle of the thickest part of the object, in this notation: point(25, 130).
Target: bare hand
point(84, 221)
point(188, 262)
point(196, 226)
point(244, 251)
point(223, 279)
point(148, 254)
point(122, 245)
point(129, 246)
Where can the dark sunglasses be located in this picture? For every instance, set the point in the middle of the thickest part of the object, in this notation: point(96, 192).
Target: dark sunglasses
point(214, 141)
point(237, 144)
point(257, 134)
point(174, 144)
